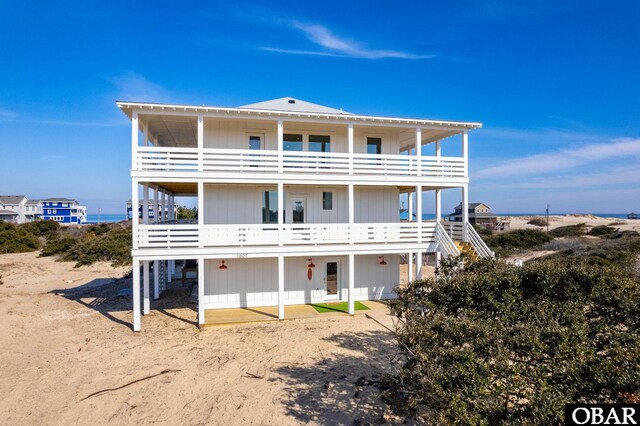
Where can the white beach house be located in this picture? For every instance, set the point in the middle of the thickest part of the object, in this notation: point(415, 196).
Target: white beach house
point(298, 203)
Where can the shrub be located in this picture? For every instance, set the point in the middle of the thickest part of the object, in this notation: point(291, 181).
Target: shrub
point(186, 213)
point(41, 228)
point(498, 344)
point(113, 246)
point(508, 242)
point(100, 229)
point(601, 230)
point(483, 231)
point(15, 239)
point(538, 221)
point(569, 231)
point(58, 246)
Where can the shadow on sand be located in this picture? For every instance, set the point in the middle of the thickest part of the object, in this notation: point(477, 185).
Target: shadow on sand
point(108, 296)
point(344, 388)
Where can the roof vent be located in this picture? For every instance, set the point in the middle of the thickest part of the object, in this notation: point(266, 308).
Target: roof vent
point(292, 101)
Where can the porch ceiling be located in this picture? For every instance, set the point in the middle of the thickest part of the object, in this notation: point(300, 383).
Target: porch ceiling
point(173, 130)
point(181, 189)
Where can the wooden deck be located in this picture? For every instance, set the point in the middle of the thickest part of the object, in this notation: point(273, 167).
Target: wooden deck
point(218, 317)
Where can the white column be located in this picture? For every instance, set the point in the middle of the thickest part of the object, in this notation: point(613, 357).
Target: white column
point(201, 281)
point(351, 213)
point(280, 146)
point(156, 280)
point(145, 286)
point(419, 150)
point(200, 214)
point(200, 143)
point(419, 220)
point(134, 217)
point(157, 205)
point(438, 205)
point(136, 294)
point(350, 147)
point(280, 287)
point(145, 204)
point(163, 207)
point(134, 140)
point(410, 266)
point(410, 202)
point(352, 274)
point(465, 210)
point(280, 213)
point(465, 152)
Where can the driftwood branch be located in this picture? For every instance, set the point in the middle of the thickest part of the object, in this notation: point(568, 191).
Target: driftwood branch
point(103, 391)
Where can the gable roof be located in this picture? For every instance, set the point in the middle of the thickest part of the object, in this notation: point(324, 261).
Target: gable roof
point(473, 206)
point(11, 199)
point(64, 200)
point(33, 202)
point(293, 105)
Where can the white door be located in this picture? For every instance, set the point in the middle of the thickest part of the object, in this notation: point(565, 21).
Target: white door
point(298, 210)
point(332, 279)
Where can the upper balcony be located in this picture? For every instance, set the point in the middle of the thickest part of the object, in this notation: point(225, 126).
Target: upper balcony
point(254, 144)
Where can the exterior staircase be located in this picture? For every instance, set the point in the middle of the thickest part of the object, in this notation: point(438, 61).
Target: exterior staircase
point(467, 250)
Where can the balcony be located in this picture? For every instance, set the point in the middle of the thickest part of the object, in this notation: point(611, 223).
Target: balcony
point(172, 236)
point(298, 164)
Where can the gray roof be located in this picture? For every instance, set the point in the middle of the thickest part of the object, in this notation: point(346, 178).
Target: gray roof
point(33, 202)
point(472, 206)
point(69, 200)
point(11, 199)
point(474, 215)
point(8, 213)
point(293, 105)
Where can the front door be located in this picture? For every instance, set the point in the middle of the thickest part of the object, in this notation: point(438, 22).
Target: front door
point(298, 210)
point(332, 280)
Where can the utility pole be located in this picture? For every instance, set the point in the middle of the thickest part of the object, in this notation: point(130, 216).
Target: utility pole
point(547, 218)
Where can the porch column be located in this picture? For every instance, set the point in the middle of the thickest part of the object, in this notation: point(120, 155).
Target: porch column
point(134, 218)
point(200, 142)
point(351, 213)
point(200, 214)
point(465, 152)
point(163, 207)
point(280, 214)
point(145, 204)
point(352, 274)
point(158, 212)
point(419, 150)
point(410, 266)
point(350, 146)
point(281, 287)
point(419, 221)
point(438, 197)
point(410, 209)
point(145, 285)
point(280, 146)
point(201, 280)
point(465, 210)
point(136, 294)
point(135, 129)
point(156, 282)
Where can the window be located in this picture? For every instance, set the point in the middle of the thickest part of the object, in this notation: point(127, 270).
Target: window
point(327, 201)
point(270, 207)
point(374, 146)
point(292, 142)
point(319, 143)
point(54, 212)
point(48, 211)
point(255, 142)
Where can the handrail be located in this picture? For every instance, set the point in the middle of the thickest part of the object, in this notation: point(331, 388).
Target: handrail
point(477, 242)
point(445, 243)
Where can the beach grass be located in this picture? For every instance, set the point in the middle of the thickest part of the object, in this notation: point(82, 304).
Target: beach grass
point(323, 308)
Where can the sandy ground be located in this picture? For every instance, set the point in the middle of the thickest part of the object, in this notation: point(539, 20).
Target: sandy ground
point(66, 335)
point(520, 222)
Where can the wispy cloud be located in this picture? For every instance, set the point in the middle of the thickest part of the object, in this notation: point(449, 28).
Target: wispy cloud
point(562, 160)
point(333, 45)
point(5, 113)
point(135, 87)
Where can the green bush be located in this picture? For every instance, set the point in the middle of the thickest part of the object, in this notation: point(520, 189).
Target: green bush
point(508, 242)
point(497, 344)
point(569, 231)
point(113, 246)
point(601, 230)
point(100, 229)
point(58, 246)
point(41, 228)
point(15, 239)
point(538, 221)
point(186, 213)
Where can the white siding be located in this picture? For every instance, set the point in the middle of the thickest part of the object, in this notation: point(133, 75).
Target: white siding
point(390, 139)
point(377, 205)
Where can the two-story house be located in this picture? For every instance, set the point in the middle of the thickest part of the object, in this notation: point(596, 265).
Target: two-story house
point(64, 211)
point(298, 203)
point(12, 208)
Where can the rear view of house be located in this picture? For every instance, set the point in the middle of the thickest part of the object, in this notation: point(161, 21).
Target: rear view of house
point(63, 210)
point(297, 203)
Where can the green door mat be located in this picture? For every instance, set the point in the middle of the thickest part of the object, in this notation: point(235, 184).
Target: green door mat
point(343, 307)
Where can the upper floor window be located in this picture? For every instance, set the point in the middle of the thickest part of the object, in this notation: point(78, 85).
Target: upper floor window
point(319, 143)
point(374, 146)
point(255, 142)
point(327, 201)
point(270, 207)
point(292, 142)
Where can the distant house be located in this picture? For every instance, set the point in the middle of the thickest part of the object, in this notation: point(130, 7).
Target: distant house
point(479, 214)
point(632, 216)
point(152, 209)
point(64, 210)
point(404, 215)
point(33, 210)
point(12, 208)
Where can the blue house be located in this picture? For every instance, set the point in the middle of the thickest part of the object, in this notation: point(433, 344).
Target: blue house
point(64, 210)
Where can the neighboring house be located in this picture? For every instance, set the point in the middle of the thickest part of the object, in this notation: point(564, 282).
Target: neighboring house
point(13, 208)
point(632, 216)
point(64, 211)
point(153, 206)
point(298, 203)
point(33, 210)
point(479, 214)
point(404, 215)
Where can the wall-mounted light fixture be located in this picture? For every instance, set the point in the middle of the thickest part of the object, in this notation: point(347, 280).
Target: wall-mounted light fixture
point(382, 262)
point(310, 267)
point(222, 266)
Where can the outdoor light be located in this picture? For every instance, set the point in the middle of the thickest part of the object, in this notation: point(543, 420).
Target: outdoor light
point(382, 262)
point(222, 266)
point(311, 265)
point(310, 270)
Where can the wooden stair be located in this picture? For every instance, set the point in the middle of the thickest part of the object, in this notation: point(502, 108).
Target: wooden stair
point(466, 250)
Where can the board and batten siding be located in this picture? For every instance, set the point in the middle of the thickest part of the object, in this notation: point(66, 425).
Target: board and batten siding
point(376, 205)
point(254, 282)
point(234, 134)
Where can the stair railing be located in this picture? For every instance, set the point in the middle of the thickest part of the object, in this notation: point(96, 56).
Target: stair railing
point(477, 242)
point(445, 243)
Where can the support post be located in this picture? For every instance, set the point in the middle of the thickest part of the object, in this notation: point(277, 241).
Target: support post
point(145, 204)
point(352, 274)
point(419, 220)
point(134, 217)
point(163, 207)
point(418, 265)
point(200, 143)
point(200, 214)
point(419, 150)
point(280, 287)
point(280, 213)
point(465, 211)
point(136, 294)
point(145, 286)
point(135, 129)
point(410, 266)
point(410, 202)
point(351, 213)
point(201, 280)
point(465, 152)
point(156, 282)
point(350, 146)
point(157, 205)
point(280, 146)
point(438, 205)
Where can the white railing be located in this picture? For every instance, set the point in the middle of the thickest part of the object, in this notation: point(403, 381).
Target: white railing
point(454, 229)
point(477, 242)
point(174, 236)
point(298, 162)
point(445, 243)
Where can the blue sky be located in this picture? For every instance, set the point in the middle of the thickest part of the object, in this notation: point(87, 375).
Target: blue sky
point(556, 84)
